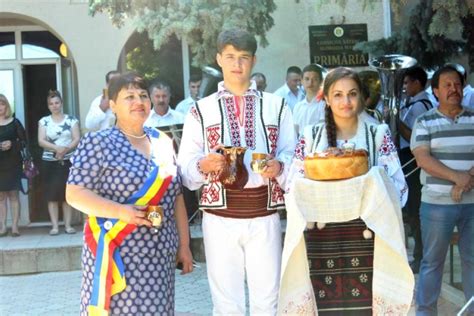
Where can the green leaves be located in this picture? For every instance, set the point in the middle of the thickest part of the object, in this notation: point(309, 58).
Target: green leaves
point(196, 21)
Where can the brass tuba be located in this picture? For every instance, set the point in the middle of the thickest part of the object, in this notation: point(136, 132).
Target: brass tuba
point(371, 92)
point(210, 79)
point(390, 69)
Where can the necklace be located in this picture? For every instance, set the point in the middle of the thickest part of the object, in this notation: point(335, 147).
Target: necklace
point(133, 136)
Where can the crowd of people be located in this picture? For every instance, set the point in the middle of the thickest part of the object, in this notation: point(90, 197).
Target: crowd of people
point(353, 261)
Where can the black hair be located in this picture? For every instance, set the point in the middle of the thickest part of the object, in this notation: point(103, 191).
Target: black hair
point(314, 68)
point(110, 74)
point(259, 75)
point(159, 84)
point(129, 79)
point(195, 78)
point(417, 73)
point(293, 70)
point(240, 39)
point(445, 69)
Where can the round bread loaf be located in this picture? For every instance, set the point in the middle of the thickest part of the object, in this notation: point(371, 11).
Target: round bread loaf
point(336, 165)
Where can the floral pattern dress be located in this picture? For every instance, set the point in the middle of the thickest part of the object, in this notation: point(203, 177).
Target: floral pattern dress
point(106, 163)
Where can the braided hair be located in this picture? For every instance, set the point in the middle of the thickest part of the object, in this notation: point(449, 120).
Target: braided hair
point(330, 127)
point(332, 77)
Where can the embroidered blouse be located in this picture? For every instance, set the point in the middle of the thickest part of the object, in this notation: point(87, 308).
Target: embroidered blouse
point(386, 155)
point(251, 134)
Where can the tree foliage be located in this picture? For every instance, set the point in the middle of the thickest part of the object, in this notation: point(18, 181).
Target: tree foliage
point(433, 33)
point(143, 60)
point(198, 22)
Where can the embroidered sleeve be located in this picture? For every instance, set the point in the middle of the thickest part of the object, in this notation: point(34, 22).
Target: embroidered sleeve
point(195, 114)
point(191, 151)
point(297, 165)
point(300, 149)
point(388, 159)
point(285, 144)
point(388, 147)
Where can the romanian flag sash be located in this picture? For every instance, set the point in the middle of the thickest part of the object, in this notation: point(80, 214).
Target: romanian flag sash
point(103, 237)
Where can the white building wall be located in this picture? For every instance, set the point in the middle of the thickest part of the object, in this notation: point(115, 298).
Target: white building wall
point(94, 43)
point(289, 37)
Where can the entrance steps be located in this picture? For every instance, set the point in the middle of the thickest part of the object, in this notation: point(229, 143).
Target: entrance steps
point(35, 251)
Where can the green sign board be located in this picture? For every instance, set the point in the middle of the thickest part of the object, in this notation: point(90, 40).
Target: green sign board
point(332, 45)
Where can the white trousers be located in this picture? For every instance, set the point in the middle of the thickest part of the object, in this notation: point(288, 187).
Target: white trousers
point(236, 248)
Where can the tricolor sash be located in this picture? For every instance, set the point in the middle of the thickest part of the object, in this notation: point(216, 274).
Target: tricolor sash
point(103, 237)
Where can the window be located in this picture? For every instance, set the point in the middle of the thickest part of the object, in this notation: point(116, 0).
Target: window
point(39, 44)
point(6, 88)
point(7, 45)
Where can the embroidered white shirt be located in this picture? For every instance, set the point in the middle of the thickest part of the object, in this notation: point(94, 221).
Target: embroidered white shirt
point(192, 142)
point(184, 106)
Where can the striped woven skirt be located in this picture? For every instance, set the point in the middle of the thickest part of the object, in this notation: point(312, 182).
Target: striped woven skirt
point(341, 267)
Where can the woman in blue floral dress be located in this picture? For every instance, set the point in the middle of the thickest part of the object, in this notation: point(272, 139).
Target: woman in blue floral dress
point(108, 168)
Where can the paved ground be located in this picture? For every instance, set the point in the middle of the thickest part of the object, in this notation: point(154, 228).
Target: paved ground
point(57, 293)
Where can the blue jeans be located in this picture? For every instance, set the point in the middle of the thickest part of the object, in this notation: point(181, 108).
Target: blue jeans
point(437, 224)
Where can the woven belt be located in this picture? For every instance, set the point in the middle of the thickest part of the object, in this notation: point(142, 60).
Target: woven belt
point(248, 203)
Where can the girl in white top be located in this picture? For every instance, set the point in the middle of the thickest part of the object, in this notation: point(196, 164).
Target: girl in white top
point(340, 255)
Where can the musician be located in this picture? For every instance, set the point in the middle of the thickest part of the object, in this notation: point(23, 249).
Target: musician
point(194, 85)
point(242, 233)
point(260, 80)
point(291, 91)
point(414, 82)
point(162, 114)
point(100, 115)
point(442, 142)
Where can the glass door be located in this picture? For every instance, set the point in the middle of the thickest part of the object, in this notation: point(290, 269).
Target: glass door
point(11, 87)
point(33, 61)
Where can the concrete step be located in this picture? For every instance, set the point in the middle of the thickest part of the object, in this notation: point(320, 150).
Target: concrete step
point(36, 251)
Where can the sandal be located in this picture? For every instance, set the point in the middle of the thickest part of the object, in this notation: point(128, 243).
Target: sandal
point(3, 234)
point(15, 234)
point(70, 230)
point(54, 232)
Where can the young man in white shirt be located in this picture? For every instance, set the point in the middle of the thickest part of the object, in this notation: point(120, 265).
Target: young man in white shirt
point(310, 110)
point(162, 114)
point(414, 82)
point(194, 85)
point(100, 115)
point(241, 228)
point(291, 91)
